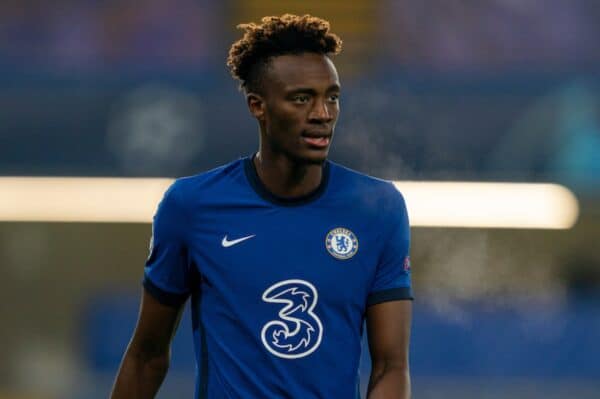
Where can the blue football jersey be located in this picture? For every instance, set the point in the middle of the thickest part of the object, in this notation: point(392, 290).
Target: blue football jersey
point(279, 287)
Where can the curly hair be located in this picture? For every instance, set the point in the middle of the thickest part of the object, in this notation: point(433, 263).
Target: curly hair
point(275, 36)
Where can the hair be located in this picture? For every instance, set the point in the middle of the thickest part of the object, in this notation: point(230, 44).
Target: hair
point(275, 36)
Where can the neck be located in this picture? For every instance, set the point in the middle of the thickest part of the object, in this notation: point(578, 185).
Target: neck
point(286, 178)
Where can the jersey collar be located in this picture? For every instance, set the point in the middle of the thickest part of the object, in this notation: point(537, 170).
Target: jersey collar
point(262, 191)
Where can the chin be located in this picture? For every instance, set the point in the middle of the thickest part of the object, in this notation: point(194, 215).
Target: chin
point(306, 156)
point(317, 161)
point(314, 159)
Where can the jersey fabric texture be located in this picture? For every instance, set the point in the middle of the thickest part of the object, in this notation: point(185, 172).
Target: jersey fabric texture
point(278, 287)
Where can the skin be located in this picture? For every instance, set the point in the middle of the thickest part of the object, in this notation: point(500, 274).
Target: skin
point(299, 97)
point(146, 359)
point(388, 330)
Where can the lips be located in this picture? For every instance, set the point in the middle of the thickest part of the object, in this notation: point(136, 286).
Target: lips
point(317, 139)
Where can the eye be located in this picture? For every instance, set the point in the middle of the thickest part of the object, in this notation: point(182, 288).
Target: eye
point(334, 97)
point(301, 99)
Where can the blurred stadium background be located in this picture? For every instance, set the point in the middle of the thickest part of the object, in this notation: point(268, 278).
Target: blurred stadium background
point(434, 90)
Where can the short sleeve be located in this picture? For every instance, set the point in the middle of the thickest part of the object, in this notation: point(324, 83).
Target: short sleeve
point(167, 273)
point(392, 280)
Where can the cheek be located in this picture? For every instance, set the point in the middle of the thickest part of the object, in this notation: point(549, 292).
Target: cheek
point(285, 120)
point(335, 111)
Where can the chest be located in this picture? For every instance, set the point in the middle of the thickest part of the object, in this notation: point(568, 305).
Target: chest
point(251, 251)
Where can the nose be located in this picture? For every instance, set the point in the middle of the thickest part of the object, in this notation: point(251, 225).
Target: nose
point(320, 113)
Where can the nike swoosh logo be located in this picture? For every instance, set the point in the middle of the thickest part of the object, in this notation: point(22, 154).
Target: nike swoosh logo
point(226, 243)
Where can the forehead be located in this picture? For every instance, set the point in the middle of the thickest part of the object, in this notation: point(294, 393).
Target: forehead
point(307, 70)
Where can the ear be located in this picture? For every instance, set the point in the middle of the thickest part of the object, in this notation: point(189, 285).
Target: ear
point(256, 105)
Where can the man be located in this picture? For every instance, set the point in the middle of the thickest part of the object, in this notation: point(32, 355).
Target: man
point(283, 254)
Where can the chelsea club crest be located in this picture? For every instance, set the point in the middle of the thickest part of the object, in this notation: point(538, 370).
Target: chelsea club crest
point(341, 243)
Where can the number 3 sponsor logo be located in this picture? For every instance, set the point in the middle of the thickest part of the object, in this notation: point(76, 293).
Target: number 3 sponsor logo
point(298, 330)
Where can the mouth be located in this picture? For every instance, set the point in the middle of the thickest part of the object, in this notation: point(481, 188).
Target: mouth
point(317, 139)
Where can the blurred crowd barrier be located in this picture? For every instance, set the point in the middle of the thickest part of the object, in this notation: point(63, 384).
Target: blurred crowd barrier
point(495, 90)
point(395, 124)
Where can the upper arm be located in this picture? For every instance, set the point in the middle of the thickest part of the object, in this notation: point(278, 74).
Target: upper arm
point(169, 274)
point(388, 332)
point(389, 305)
point(168, 278)
point(155, 327)
point(392, 279)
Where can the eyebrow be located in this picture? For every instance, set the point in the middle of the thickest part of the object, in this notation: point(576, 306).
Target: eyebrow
point(310, 90)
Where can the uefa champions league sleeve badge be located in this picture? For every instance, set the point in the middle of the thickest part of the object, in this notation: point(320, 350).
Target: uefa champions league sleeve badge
point(341, 243)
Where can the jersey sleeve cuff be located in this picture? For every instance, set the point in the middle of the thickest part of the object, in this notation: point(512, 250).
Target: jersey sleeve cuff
point(392, 294)
point(162, 296)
